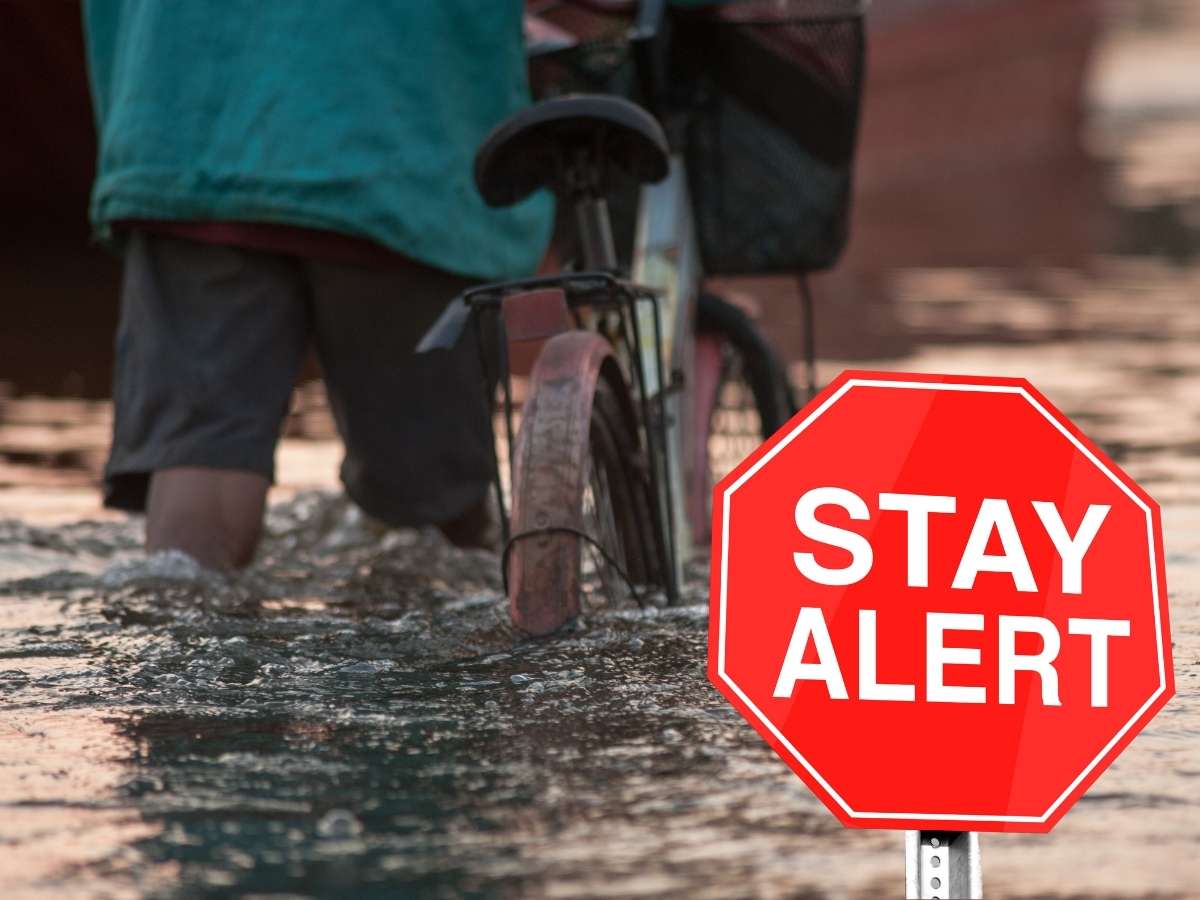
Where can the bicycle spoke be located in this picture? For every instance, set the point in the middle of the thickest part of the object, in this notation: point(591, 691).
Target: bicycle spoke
point(600, 522)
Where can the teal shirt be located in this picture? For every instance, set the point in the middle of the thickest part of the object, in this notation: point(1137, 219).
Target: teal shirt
point(356, 116)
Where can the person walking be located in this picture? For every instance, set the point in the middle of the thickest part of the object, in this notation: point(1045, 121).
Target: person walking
point(279, 175)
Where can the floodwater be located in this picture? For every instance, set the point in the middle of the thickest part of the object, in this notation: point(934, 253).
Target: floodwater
point(354, 717)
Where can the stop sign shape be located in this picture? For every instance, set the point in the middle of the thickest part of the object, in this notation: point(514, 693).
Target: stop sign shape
point(940, 603)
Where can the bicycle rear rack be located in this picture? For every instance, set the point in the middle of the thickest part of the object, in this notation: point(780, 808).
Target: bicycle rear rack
point(597, 293)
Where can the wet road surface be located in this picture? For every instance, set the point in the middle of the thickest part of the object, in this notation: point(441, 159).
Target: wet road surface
point(354, 715)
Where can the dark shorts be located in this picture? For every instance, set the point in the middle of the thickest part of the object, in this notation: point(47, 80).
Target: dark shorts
point(210, 343)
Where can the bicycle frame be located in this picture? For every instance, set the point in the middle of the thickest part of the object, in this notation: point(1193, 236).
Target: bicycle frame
point(653, 336)
point(666, 350)
point(648, 319)
point(667, 257)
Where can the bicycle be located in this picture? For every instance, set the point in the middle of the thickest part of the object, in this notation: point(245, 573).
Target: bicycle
point(628, 375)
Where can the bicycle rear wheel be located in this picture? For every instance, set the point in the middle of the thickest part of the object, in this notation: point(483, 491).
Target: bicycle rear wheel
point(742, 396)
point(583, 523)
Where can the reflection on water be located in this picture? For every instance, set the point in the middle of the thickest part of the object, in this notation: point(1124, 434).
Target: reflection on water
point(366, 720)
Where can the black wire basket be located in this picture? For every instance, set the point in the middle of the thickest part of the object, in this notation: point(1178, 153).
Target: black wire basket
point(772, 124)
point(768, 93)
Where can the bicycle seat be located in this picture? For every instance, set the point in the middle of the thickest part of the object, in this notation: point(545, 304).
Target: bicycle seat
point(568, 144)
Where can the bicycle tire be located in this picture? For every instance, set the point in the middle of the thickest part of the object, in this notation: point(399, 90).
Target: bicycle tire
point(577, 439)
point(774, 397)
point(742, 354)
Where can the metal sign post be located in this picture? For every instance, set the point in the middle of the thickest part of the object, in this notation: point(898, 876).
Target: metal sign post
point(942, 864)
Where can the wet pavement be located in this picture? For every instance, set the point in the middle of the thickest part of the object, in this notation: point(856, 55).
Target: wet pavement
point(354, 717)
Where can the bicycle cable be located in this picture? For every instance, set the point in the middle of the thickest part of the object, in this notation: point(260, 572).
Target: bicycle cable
point(637, 595)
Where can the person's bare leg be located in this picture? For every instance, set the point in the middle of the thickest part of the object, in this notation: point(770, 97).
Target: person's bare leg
point(213, 515)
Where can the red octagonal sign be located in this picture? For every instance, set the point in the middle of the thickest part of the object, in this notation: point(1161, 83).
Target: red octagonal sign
point(939, 602)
